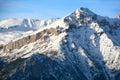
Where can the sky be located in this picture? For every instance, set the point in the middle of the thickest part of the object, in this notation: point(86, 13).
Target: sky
point(47, 9)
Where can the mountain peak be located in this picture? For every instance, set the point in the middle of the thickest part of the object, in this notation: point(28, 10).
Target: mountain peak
point(83, 11)
point(80, 15)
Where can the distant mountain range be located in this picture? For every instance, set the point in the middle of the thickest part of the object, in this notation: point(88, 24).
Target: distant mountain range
point(79, 46)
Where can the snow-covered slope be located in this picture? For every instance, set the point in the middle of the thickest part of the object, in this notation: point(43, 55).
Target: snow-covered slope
point(79, 46)
point(118, 16)
point(14, 28)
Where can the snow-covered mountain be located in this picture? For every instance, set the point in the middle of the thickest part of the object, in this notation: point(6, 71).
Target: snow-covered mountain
point(14, 28)
point(79, 46)
point(118, 16)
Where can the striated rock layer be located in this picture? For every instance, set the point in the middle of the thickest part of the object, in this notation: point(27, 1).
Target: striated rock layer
point(29, 39)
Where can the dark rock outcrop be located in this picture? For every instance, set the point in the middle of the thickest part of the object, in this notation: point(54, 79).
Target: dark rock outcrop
point(40, 67)
point(1, 46)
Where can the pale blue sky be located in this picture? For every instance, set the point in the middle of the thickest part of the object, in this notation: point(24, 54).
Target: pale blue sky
point(46, 9)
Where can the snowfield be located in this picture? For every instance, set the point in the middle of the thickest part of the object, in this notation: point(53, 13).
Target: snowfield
point(12, 29)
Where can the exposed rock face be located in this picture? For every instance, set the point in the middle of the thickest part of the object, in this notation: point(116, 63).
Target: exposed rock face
point(1, 46)
point(29, 39)
point(40, 67)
